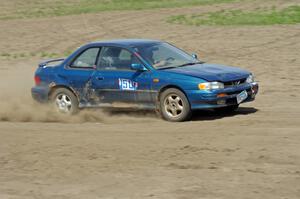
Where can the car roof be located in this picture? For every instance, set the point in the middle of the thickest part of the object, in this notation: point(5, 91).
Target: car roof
point(127, 42)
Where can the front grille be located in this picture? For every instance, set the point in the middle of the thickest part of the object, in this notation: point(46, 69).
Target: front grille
point(234, 83)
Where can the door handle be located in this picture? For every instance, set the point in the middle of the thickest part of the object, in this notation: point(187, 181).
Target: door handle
point(100, 78)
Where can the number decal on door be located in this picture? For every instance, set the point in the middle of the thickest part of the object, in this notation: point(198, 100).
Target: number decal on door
point(127, 84)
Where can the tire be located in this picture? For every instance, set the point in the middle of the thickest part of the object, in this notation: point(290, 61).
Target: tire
point(174, 106)
point(64, 101)
point(227, 109)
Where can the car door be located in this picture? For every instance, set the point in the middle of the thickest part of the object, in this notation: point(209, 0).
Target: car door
point(115, 80)
point(79, 71)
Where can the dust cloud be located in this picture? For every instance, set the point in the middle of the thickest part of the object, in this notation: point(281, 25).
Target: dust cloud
point(27, 110)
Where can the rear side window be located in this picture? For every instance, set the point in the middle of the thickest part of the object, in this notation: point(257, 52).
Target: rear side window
point(86, 59)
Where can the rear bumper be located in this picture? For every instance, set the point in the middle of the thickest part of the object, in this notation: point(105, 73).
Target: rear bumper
point(40, 93)
point(221, 98)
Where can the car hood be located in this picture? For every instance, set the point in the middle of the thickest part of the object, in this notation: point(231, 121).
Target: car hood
point(211, 72)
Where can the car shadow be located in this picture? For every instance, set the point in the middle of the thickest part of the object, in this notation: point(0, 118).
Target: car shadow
point(130, 112)
point(206, 115)
point(199, 115)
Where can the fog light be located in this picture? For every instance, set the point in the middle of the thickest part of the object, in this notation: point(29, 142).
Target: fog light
point(222, 95)
point(221, 102)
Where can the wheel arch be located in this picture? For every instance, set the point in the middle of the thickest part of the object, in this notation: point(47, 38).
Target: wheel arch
point(161, 90)
point(55, 87)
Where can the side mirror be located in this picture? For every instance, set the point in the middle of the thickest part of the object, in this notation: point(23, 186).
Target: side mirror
point(138, 67)
point(195, 56)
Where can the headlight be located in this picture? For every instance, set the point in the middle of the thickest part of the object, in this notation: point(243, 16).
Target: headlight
point(250, 79)
point(211, 86)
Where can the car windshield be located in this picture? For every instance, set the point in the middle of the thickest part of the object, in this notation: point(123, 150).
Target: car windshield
point(164, 55)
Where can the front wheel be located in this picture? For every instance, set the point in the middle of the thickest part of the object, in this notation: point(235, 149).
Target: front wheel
point(174, 106)
point(65, 101)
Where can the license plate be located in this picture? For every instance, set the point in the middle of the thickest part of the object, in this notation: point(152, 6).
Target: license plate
point(241, 97)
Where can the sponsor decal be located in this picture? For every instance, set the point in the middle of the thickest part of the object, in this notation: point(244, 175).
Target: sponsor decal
point(127, 84)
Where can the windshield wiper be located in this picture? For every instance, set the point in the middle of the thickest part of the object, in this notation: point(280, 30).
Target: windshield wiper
point(182, 65)
point(167, 67)
point(190, 63)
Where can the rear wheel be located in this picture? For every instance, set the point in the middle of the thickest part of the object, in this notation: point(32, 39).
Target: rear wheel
point(174, 106)
point(65, 101)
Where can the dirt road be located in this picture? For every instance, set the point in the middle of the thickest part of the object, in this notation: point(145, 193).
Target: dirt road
point(251, 154)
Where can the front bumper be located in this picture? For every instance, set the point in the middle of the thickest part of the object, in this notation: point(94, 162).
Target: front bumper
point(221, 98)
point(40, 93)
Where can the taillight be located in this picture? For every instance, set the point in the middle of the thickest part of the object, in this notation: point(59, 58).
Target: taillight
point(37, 80)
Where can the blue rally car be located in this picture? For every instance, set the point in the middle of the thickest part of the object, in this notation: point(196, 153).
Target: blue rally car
point(144, 74)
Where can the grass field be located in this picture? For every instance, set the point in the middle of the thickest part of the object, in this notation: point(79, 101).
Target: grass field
point(44, 8)
point(289, 15)
point(31, 9)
